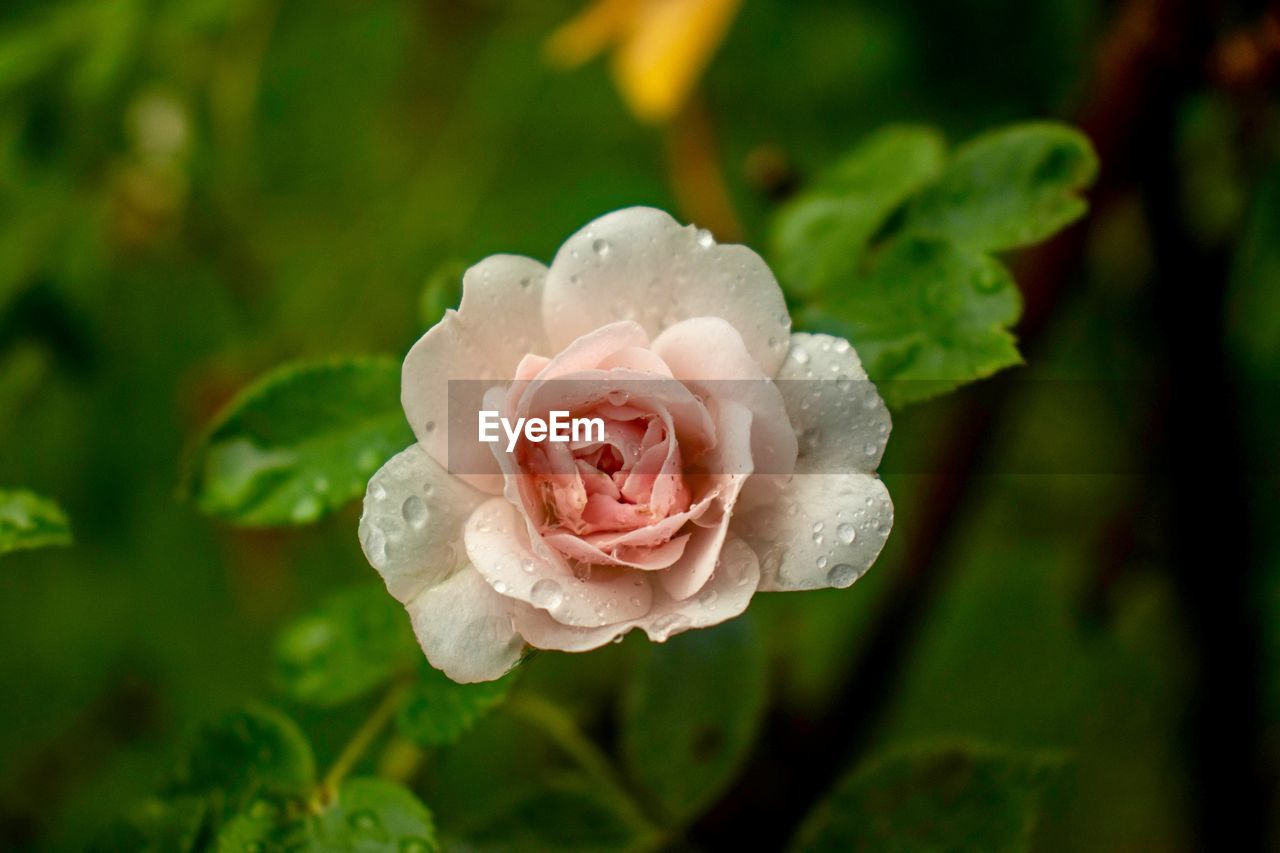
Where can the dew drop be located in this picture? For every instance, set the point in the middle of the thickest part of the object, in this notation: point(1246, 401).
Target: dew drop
point(429, 427)
point(705, 240)
point(527, 565)
point(377, 492)
point(800, 355)
point(669, 624)
point(817, 526)
point(546, 594)
point(822, 562)
point(846, 533)
point(842, 575)
point(499, 587)
point(601, 247)
point(414, 512)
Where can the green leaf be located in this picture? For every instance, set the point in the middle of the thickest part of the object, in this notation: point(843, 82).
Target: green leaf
point(1008, 188)
point(30, 521)
point(159, 825)
point(442, 291)
point(302, 441)
point(367, 816)
point(928, 317)
point(691, 713)
point(437, 711)
point(819, 237)
point(948, 797)
point(355, 641)
point(244, 755)
point(565, 813)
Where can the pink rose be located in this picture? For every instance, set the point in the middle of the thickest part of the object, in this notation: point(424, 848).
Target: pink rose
point(735, 456)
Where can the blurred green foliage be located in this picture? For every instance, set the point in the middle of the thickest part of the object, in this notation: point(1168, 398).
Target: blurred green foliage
point(195, 192)
point(30, 521)
point(926, 798)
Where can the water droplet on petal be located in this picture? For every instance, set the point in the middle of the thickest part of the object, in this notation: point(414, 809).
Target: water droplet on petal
point(670, 624)
point(846, 532)
point(546, 594)
point(705, 239)
point(842, 575)
point(601, 247)
point(414, 512)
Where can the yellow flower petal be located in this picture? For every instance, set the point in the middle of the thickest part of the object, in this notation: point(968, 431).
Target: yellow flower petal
point(666, 50)
point(598, 27)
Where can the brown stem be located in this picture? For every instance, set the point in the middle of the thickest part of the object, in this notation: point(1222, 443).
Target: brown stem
point(696, 173)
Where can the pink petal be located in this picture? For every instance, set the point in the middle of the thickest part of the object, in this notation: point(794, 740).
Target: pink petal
point(498, 546)
point(710, 350)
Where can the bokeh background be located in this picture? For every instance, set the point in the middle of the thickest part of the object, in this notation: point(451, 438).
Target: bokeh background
point(195, 191)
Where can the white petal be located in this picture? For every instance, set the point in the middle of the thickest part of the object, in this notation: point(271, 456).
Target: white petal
point(496, 325)
point(842, 423)
point(497, 546)
point(640, 264)
point(411, 528)
point(465, 628)
point(825, 530)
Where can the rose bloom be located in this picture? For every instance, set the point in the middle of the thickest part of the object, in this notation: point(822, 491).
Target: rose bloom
point(719, 475)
